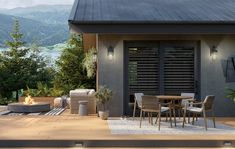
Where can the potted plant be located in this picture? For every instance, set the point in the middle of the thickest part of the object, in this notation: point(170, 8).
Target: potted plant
point(103, 95)
point(231, 94)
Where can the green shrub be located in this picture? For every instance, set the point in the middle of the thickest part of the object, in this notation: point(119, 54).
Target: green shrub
point(231, 94)
point(5, 101)
point(54, 92)
point(43, 89)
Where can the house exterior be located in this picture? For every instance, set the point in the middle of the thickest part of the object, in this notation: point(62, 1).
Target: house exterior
point(160, 47)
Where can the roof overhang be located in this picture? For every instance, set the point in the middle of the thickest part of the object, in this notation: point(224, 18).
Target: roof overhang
point(153, 28)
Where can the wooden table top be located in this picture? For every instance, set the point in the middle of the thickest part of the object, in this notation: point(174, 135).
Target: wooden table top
point(168, 97)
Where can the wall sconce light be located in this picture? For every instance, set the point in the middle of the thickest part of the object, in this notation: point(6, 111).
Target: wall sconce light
point(213, 52)
point(110, 53)
point(227, 144)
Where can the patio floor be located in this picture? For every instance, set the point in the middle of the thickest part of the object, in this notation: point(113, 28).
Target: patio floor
point(74, 127)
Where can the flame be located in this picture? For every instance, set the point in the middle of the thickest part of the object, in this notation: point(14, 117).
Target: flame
point(29, 100)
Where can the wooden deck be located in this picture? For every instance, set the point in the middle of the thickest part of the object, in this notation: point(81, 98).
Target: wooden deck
point(74, 127)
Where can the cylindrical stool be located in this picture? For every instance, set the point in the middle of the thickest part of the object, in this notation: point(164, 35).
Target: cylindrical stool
point(83, 108)
point(58, 102)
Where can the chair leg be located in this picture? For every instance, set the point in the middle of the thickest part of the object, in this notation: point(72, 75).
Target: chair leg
point(141, 112)
point(174, 116)
point(134, 110)
point(204, 115)
point(213, 115)
point(184, 119)
point(166, 116)
point(193, 118)
point(170, 117)
point(179, 114)
point(149, 116)
point(159, 122)
point(188, 117)
point(156, 119)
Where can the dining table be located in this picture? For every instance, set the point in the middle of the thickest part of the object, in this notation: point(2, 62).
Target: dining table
point(173, 100)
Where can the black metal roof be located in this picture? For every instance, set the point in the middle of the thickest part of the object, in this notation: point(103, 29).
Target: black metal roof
point(152, 11)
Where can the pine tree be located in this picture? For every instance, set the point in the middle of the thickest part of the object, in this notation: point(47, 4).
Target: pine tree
point(71, 73)
point(20, 66)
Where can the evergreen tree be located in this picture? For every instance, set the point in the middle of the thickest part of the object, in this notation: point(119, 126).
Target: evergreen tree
point(71, 73)
point(20, 66)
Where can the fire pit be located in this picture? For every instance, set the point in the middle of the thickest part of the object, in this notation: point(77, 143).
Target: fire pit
point(29, 106)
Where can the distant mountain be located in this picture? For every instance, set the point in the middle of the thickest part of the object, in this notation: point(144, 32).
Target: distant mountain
point(34, 31)
point(45, 24)
point(51, 14)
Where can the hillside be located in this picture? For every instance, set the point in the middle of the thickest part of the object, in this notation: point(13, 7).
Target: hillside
point(50, 14)
point(45, 25)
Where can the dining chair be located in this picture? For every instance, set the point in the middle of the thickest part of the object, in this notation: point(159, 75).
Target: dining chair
point(186, 101)
point(138, 102)
point(150, 105)
point(180, 104)
point(205, 106)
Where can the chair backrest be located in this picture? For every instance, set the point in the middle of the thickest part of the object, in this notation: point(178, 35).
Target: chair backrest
point(208, 102)
point(138, 98)
point(150, 102)
point(185, 101)
point(188, 94)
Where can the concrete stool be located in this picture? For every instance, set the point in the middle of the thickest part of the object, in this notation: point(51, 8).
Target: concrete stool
point(83, 108)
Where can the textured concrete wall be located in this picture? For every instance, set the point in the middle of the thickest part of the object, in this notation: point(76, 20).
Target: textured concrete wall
point(111, 73)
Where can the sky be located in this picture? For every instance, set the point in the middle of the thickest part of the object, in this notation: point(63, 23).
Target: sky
point(9, 4)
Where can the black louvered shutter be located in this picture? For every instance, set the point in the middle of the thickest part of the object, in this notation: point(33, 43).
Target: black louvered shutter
point(179, 70)
point(143, 70)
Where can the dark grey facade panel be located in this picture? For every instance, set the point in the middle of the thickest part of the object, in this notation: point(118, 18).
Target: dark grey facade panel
point(153, 10)
point(155, 28)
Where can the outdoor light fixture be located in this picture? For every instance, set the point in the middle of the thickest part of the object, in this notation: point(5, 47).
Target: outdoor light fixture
point(213, 52)
point(110, 53)
point(227, 144)
point(78, 144)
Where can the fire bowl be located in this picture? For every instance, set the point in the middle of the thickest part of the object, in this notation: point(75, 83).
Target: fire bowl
point(29, 108)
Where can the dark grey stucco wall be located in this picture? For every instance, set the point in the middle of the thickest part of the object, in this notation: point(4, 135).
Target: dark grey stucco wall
point(111, 73)
point(213, 81)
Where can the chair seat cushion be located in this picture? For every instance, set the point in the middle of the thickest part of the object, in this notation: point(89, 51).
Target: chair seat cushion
point(163, 109)
point(194, 109)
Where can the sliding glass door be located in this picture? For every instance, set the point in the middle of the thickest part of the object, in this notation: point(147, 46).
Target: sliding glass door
point(155, 67)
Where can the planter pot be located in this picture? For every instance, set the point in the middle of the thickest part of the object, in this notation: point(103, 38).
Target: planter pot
point(104, 115)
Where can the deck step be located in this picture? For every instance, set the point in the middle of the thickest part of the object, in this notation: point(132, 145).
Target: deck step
point(116, 143)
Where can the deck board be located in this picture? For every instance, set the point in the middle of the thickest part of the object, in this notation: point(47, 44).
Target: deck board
point(74, 127)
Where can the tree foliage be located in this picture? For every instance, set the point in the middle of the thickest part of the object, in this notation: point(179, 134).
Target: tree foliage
point(89, 64)
point(71, 73)
point(20, 66)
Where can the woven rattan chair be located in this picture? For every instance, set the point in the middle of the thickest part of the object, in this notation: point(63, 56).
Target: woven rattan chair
point(186, 101)
point(150, 105)
point(205, 106)
point(138, 102)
